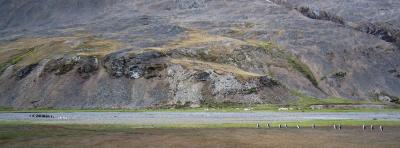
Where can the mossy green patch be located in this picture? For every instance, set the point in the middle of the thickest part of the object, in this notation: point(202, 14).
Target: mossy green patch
point(17, 58)
point(251, 90)
point(268, 46)
point(276, 52)
point(212, 104)
point(304, 102)
point(308, 101)
point(303, 69)
point(273, 49)
point(3, 66)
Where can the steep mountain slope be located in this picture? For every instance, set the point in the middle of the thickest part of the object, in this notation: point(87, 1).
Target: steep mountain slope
point(145, 53)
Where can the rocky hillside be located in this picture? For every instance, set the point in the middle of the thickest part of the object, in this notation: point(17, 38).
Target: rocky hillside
point(155, 53)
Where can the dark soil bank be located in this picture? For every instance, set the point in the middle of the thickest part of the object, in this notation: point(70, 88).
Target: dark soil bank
point(60, 136)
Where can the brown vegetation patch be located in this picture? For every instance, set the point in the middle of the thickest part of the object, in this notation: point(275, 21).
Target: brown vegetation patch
point(59, 136)
point(219, 68)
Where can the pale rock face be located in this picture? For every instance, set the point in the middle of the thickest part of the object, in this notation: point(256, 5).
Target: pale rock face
point(182, 85)
point(225, 84)
point(191, 4)
point(7, 72)
point(189, 92)
point(134, 72)
point(385, 98)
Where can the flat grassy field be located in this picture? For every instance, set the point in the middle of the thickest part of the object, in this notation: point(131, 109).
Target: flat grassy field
point(301, 105)
point(42, 135)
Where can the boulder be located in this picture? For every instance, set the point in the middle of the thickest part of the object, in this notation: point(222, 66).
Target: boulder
point(25, 71)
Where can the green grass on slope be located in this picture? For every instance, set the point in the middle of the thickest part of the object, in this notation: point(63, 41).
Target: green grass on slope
point(253, 108)
point(16, 59)
point(305, 101)
point(275, 51)
point(303, 69)
point(302, 104)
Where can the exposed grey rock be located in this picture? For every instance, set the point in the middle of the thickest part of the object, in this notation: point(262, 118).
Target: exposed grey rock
point(319, 15)
point(62, 65)
point(203, 76)
point(135, 66)
point(338, 76)
point(87, 66)
point(190, 4)
point(134, 71)
point(227, 85)
point(23, 72)
point(381, 31)
point(268, 81)
point(8, 72)
point(395, 72)
point(115, 65)
point(183, 86)
point(385, 99)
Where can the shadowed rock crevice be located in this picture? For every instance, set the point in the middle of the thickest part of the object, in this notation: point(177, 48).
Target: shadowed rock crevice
point(269, 82)
point(382, 31)
point(395, 72)
point(25, 71)
point(62, 65)
point(88, 65)
point(84, 65)
point(134, 66)
point(320, 15)
point(312, 13)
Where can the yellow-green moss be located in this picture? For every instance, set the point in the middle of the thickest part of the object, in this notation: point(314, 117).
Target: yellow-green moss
point(303, 69)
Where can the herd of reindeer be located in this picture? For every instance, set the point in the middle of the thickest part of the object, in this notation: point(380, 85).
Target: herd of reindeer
point(268, 125)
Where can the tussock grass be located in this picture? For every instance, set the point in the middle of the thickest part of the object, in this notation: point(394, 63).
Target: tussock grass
point(196, 37)
point(218, 45)
point(269, 46)
point(201, 65)
point(17, 58)
point(26, 51)
point(94, 46)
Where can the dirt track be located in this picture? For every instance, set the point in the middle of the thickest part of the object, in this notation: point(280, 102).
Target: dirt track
point(147, 118)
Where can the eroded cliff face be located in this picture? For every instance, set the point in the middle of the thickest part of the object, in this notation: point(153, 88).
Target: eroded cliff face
point(133, 54)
